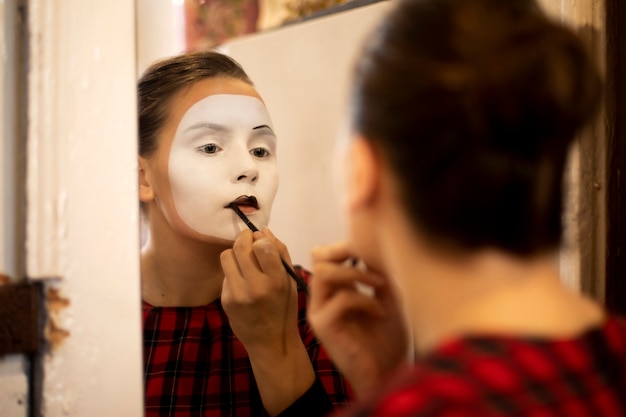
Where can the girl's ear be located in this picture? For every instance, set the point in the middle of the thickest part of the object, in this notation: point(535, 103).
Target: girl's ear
point(146, 192)
point(363, 174)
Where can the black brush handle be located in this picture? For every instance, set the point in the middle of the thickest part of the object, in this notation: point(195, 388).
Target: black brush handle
point(245, 218)
point(299, 281)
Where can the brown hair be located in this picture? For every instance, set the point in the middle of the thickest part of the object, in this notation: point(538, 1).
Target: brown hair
point(474, 104)
point(163, 79)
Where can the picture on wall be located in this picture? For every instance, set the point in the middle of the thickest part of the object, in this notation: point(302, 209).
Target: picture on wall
point(209, 23)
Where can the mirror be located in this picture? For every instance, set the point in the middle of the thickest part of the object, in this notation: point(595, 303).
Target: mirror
point(301, 72)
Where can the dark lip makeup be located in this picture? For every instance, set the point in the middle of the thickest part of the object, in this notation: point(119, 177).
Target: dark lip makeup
point(251, 201)
point(245, 200)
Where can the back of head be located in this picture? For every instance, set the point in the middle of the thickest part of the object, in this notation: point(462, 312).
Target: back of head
point(166, 77)
point(474, 104)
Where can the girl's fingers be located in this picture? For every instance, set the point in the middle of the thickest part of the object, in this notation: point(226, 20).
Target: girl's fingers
point(244, 253)
point(344, 275)
point(341, 307)
point(268, 256)
point(282, 248)
point(335, 252)
point(330, 278)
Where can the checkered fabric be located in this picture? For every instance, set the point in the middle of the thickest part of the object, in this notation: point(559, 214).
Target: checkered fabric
point(506, 376)
point(195, 366)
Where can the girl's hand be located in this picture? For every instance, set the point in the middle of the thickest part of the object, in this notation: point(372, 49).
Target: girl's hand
point(260, 300)
point(258, 295)
point(363, 330)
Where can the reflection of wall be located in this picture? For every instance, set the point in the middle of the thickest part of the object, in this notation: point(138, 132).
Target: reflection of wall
point(302, 73)
point(160, 30)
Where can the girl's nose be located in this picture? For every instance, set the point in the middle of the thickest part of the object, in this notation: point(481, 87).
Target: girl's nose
point(247, 177)
point(248, 171)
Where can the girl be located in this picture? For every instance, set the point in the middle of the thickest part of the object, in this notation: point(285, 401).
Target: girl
point(462, 115)
point(225, 331)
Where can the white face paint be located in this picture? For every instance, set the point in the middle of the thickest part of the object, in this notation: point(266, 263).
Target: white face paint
point(224, 147)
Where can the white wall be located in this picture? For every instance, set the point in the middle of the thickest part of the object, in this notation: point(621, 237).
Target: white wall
point(160, 30)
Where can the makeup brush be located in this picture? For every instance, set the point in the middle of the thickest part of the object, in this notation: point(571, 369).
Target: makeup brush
point(299, 281)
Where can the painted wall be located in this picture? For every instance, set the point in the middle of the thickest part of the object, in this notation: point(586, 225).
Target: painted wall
point(160, 30)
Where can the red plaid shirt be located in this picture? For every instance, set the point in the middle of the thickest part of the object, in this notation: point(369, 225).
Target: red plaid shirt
point(506, 376)
point(195, 366)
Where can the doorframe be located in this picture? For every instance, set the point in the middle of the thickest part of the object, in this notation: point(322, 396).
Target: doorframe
point(82, 212)
point(615, 295)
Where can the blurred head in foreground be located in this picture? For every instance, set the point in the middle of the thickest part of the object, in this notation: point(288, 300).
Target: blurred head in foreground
point(469, 108)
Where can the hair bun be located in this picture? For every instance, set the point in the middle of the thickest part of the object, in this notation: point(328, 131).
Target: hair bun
point(534, 87)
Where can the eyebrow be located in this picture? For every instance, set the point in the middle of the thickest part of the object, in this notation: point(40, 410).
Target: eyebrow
point(263, 127)
point(221, 128)
point(206, 125)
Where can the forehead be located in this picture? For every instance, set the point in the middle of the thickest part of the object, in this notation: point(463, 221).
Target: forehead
point(225, 112)
point(200, 90)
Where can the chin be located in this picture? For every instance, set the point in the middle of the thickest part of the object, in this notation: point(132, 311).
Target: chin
point(219, 241)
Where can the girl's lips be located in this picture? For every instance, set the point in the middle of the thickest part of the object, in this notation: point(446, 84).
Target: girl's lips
point(247, 209)
point(247, 204)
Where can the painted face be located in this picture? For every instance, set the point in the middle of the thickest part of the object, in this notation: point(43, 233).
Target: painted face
point(224, 148)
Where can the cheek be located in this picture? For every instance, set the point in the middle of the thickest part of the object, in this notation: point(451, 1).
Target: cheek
point(364, 243)
point(193, 176)
point(193, 182)
point(271, 186)
point(167, 205)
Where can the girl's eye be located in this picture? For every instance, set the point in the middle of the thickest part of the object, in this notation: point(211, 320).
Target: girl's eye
point(260, 152)
point(209, 148)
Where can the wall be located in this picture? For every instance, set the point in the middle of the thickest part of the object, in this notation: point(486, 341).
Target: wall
point(160, 30)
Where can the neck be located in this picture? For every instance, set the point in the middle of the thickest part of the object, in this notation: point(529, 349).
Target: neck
point(178, 271)
point(488, 292)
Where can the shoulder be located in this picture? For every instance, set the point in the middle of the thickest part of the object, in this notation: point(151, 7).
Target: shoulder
point(614, 332)
point(421, 391)
point(454, 380)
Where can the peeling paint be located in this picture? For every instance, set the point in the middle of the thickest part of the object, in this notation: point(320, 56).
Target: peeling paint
point(55, 334)
point(55, 301)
